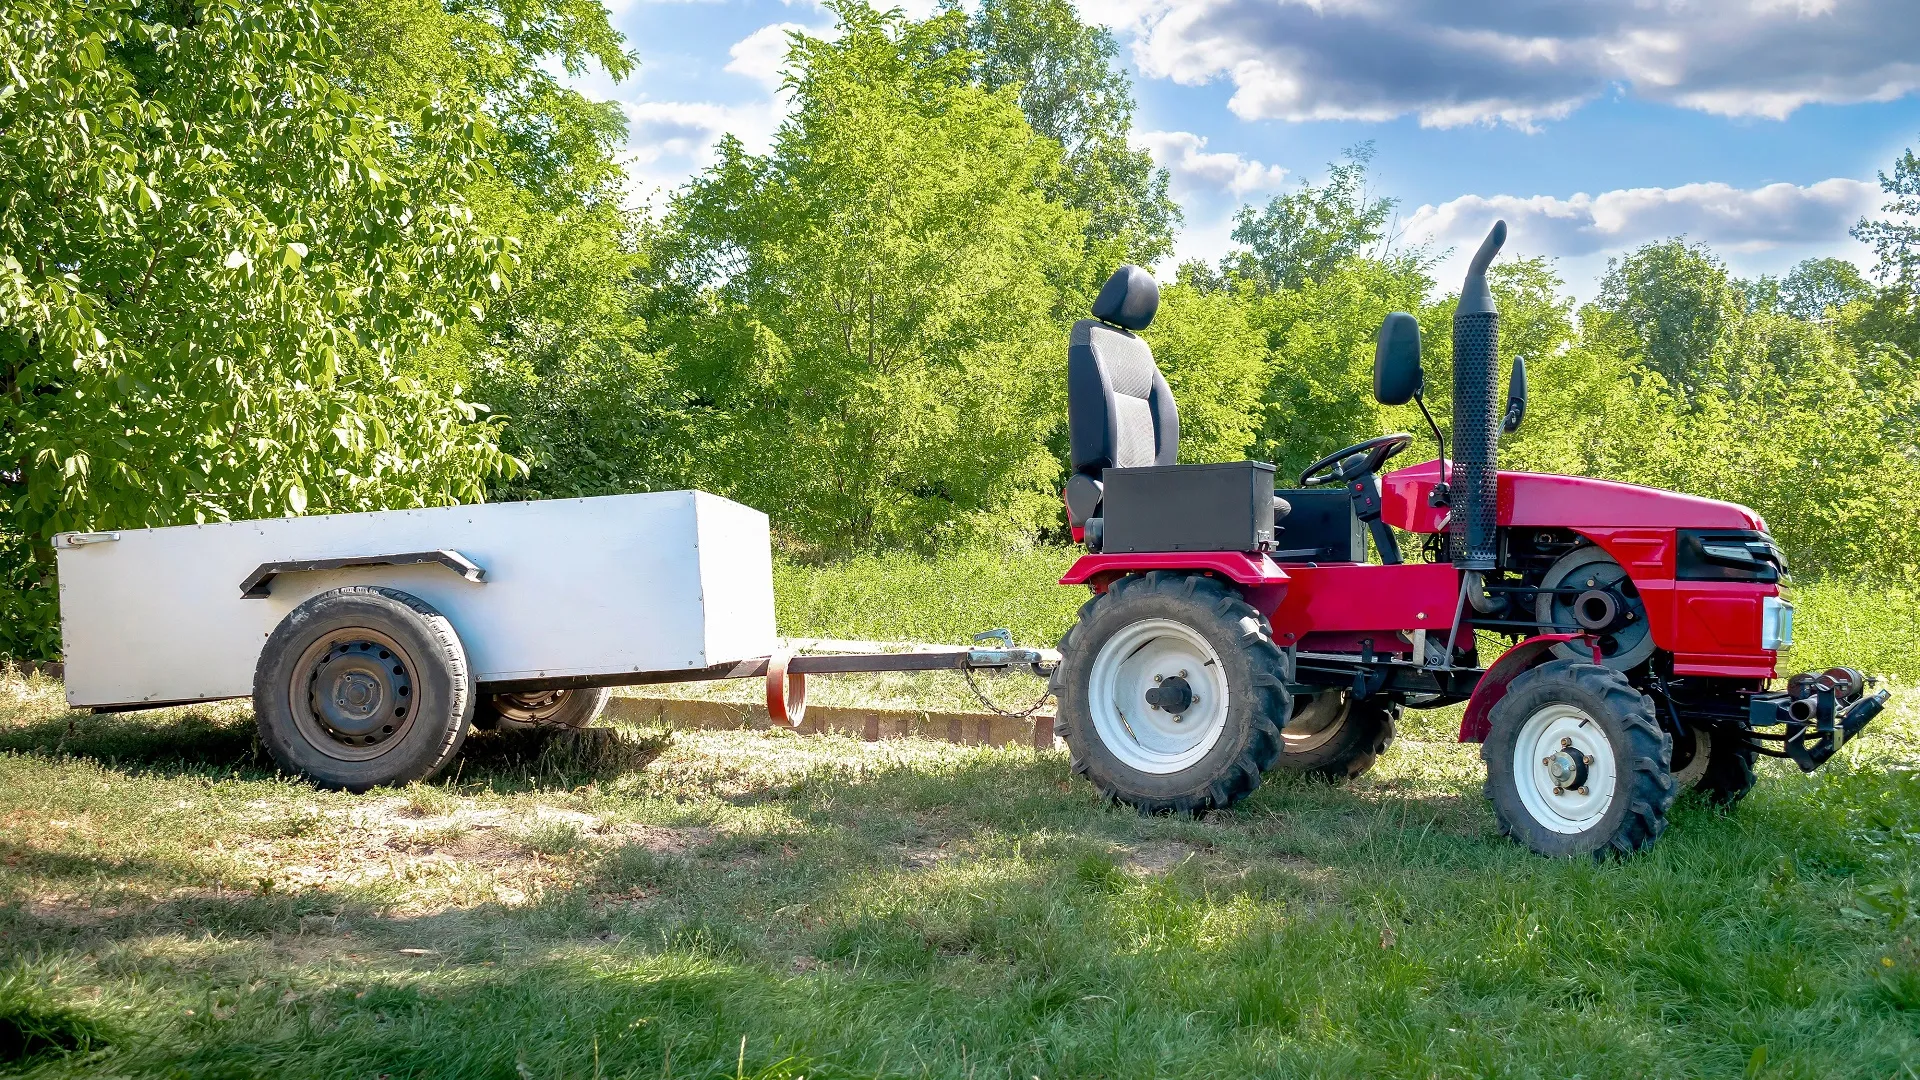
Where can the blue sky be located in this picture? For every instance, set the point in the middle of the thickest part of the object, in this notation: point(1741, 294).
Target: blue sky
point(1593, 126)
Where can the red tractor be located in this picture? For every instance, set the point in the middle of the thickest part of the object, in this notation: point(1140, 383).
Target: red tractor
point(1235, 629)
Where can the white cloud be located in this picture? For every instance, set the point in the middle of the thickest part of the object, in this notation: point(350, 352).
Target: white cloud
point(1522, 62)
point(668, 141)
point(762, 55)
point(1757, 230)
point(1183, 154)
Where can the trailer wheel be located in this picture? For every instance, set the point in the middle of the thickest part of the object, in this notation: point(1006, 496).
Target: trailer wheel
point(550, 709)
point(1334, 737)
point(1172, 693)
point(1576, 762)
point(363, 686)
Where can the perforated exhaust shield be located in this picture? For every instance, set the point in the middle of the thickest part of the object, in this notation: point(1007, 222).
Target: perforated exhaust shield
point(1476, 433)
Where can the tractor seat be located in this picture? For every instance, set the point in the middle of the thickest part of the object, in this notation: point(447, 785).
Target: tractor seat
point(1120, 413)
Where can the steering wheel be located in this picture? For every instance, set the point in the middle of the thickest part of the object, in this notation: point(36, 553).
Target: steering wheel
point(1333, 469)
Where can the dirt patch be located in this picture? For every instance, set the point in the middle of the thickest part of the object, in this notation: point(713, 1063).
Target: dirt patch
point(1158, 858)
point(662, 839)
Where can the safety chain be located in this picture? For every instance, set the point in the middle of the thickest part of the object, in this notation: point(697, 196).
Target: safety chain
point(1045, 696)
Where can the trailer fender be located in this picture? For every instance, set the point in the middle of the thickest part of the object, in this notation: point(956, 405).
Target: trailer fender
point(1513, 663)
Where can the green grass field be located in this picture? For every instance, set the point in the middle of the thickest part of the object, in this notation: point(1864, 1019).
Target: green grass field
point(731, 904)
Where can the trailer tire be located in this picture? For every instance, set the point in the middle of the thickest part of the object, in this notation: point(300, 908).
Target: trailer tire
point(1234, 688)
point(1341, 746)
point(546, 710)
point(1576, 762)
point(363, 686)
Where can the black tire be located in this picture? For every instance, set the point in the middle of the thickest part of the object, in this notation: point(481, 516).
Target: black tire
point(1225, 767)
point(1729, 772)
point(1563, 699)
point(343, 662)
point(549, 710)
point(1331, 736)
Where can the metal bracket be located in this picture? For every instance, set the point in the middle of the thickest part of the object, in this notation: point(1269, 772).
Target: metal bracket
point(259, 584)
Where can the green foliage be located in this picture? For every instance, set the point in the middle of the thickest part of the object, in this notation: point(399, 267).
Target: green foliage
point(213, 262)
point(1063, 73)
point(1302, 236)
point(1214, 358)
point(1896, 237)
point(1664, 307)
point(866, 323)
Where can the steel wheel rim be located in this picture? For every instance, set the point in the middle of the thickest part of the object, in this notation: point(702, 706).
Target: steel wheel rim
point(1145, 738)
point(1696, 767)
point(347, 699)
point(1541, 755)
point(532, 707)
point(1316, 723)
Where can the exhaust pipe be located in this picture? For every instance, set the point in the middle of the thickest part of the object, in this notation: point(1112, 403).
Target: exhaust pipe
point(1476, 421)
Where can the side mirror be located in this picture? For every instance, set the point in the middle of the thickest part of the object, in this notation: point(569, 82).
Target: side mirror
point(1516, 396)
point(1397, 378)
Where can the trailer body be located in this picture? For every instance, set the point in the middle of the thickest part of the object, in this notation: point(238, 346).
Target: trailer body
point(575, 588)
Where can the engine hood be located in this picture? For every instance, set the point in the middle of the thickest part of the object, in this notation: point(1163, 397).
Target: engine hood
point(1542, 499)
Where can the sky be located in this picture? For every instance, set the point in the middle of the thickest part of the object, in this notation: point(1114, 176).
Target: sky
point(1592, 126)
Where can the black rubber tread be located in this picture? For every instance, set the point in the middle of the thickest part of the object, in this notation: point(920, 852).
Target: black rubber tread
point(1256, 669)
point(444, 700)
point(580, 709)
point(1626, 717)
point(1730, 768)
point(1363, 735)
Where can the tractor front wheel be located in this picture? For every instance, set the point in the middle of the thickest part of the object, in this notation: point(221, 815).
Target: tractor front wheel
point(1172, 693)
point(1576, 762)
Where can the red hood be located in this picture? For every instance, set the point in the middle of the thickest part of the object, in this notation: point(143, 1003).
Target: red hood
point(1541, 499)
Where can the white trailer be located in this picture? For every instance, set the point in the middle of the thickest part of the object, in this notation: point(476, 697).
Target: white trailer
point(371, 642)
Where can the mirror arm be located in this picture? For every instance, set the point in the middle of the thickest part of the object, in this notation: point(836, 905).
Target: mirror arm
point(1446, 481)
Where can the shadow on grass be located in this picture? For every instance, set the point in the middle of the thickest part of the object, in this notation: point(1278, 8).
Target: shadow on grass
point(200, 741)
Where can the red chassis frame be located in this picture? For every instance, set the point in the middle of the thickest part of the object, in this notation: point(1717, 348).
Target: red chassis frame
point(1710, 628)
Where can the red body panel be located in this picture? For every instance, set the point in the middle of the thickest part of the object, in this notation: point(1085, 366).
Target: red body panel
point(1356, 598)
point(1543, 499)
point(1710, 627)
point(1245, 569)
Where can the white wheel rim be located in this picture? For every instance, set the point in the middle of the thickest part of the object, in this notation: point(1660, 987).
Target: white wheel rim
point(1697, 764)
point(1544, 761)
point(1142, 737)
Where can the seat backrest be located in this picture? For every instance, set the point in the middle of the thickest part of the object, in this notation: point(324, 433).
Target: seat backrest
point(1120, 413)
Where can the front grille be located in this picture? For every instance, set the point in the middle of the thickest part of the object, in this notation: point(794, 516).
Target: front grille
point(1728, 555)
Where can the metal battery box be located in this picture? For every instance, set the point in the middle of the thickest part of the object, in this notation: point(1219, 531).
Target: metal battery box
point(1227, 507)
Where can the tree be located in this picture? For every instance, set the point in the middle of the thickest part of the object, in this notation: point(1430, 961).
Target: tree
point(865, 326)
point(1302, 236)
point(1896, 238)
point(1063, 73)
point(1669, 302)
point(213, 263)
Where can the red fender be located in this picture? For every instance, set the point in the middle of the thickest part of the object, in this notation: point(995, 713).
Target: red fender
point(1513, 663)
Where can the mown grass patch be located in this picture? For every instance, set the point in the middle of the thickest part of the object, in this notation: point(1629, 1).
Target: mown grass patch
point(765, 904)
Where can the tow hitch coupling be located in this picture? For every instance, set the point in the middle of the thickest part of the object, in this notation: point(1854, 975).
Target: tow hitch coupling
point(1820, 712)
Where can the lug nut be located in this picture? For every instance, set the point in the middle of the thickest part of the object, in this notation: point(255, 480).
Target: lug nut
point(1583, 789)
point(1183, 673)
point(1586, 759)
point(1564, 743)
point(1547, 761)
point(1559, 790)
point(1159, 678)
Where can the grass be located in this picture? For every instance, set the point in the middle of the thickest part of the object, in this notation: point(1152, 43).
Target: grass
point(730, 904)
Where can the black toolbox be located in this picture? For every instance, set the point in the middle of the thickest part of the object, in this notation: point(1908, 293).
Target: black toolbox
point(1227, 507)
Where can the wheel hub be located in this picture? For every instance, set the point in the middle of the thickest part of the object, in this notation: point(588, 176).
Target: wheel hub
point(360, 692)
point(1567, 769)
point(1174, 694)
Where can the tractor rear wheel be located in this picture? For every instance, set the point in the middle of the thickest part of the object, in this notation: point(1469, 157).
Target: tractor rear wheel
point(1172, 693)
point(1334, 737)
point(1722, 768)
point(1576, 762)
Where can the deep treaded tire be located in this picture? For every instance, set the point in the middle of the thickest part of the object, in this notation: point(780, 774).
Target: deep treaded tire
point(540, 711)
point(1576, 762)
point(1730, 773)
point(1215, 648)
point(362, 686)
point(1343, 745)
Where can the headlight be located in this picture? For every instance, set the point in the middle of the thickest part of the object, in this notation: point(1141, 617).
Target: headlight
point(1776, 623)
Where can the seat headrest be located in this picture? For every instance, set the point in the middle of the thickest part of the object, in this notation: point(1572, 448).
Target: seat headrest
point(1129, 298)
